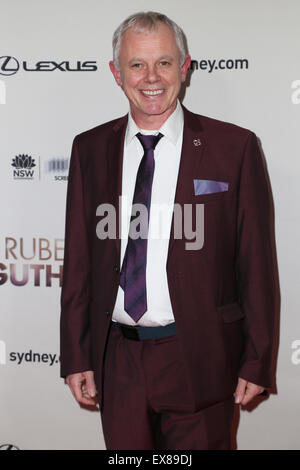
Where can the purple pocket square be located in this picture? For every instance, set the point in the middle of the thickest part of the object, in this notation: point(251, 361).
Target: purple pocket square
point(209, 186)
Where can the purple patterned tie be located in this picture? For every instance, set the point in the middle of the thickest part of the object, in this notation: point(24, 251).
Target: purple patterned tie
point(133, 272)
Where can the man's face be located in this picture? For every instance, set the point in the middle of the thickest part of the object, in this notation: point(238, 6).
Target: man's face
point(150, 74)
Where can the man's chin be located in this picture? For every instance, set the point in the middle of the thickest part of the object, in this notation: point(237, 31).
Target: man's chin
point(157, 110)
point(151, 115)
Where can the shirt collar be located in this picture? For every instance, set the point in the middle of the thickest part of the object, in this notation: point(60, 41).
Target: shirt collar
point(171, 128)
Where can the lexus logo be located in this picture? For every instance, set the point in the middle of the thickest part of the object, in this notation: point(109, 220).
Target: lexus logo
point(8, 65)
point(9, 447)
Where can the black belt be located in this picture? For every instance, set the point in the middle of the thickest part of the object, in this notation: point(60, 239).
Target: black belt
point(139, 333)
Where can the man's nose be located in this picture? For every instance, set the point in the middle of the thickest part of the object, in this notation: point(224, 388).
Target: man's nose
point(152, 75)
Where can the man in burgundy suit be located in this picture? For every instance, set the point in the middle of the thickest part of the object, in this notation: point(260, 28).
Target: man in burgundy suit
point(166, 332)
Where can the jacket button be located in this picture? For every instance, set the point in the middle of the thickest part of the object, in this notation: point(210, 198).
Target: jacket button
point(116, 268)
point(107, 313)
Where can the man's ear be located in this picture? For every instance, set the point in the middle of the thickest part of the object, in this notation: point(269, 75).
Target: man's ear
point(116, 72)
point(185, 66)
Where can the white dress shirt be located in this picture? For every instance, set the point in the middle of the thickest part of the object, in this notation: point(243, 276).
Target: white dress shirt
point(167, 158)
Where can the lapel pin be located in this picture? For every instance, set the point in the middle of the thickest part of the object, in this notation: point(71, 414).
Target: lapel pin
point(197, 142)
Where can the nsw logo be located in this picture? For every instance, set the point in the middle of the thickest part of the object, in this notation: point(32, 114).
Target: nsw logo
point(23, 167)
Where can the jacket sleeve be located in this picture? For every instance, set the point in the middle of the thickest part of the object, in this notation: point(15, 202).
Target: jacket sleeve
point(75, 347)
point(256, 266)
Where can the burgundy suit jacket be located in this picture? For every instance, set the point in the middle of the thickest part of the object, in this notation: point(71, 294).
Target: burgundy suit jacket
point(223, 295)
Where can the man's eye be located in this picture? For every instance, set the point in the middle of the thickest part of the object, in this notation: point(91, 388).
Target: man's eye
point(137, 65)
point(164, 62)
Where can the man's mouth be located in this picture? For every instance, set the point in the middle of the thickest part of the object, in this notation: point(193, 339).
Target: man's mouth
point(152, 92)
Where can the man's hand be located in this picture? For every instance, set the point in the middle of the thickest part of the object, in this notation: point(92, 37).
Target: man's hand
point(246, 391)
point(83, 387)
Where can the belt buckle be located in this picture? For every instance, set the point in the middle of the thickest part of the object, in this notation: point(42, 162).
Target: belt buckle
point(130, 332)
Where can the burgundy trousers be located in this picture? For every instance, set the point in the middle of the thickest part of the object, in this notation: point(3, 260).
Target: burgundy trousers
point(147, 400)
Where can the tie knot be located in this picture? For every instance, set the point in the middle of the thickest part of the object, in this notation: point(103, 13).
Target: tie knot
point(149, 142)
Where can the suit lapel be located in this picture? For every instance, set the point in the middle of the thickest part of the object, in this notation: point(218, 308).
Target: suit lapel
point(115, 166)
point(193, 146)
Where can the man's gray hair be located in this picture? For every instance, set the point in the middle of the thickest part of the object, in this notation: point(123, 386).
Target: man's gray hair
point(147, 21)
